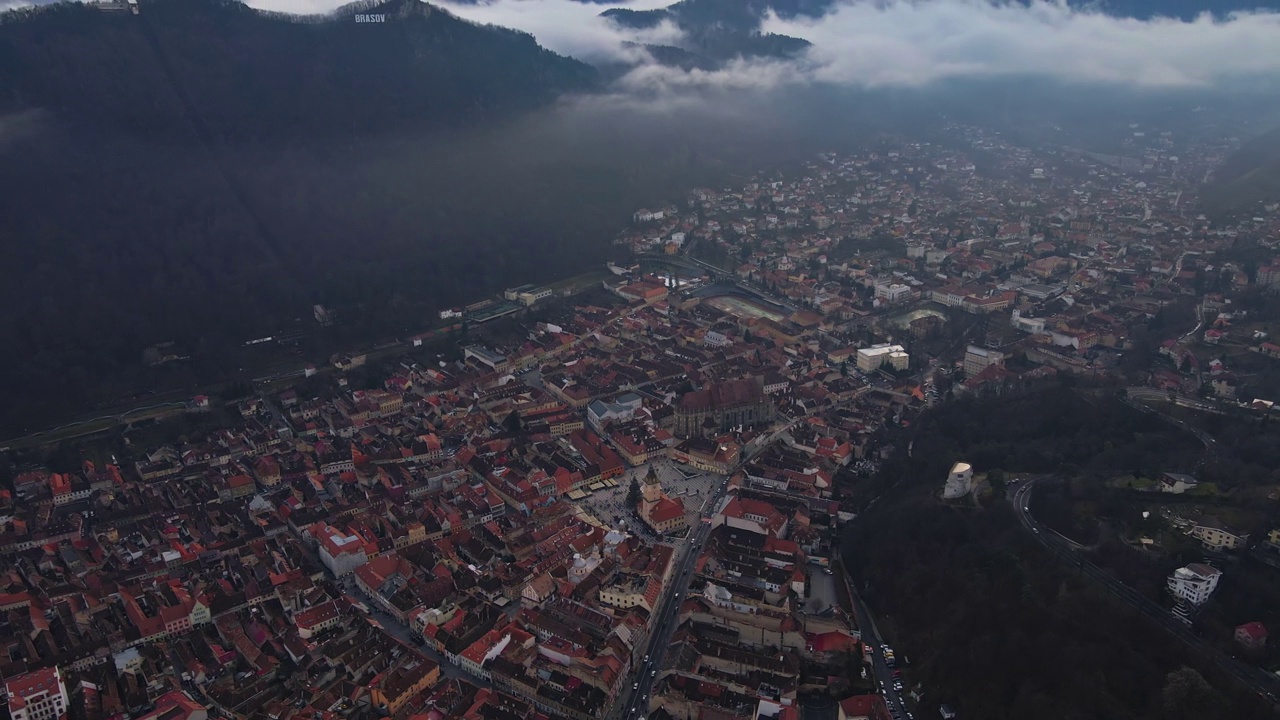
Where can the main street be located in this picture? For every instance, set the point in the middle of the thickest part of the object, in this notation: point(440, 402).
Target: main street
point(1256, 679)
point(633, 701)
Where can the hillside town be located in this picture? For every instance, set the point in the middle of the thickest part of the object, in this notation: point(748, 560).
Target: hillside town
point(633, 508)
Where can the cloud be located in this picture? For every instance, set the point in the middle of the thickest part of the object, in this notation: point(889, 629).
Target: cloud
point(572, 28)
point(909, 43)
point(913, 43)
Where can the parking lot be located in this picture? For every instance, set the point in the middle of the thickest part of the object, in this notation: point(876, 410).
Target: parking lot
point(691, 486)
point(822, 590)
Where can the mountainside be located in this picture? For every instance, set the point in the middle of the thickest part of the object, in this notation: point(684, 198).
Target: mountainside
point(719, 30)
point(1249, 177)
point(202, 173)
point(241, 74)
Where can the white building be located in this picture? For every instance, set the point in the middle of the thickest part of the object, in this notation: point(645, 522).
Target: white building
point(959, 482)
point(38, 695)
point(339, 552)
point(873, 358)
point(620, 410)
point(893, 292)
point(1035, 326)
point(977, 359)
point(1194, 583)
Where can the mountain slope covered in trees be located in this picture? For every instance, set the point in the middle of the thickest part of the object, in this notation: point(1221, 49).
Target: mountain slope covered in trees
point(203, 173)
point(242, 74)
point(1249, 177)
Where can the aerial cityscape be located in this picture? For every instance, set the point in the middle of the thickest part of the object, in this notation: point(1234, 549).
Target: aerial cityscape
point(962, 405)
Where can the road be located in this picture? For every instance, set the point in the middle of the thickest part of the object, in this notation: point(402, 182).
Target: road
point(880, 669)
point(632, 702)
point(1132, 395)
point(1256, 679)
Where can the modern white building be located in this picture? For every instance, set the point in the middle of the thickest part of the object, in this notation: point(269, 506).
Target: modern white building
point(1194, 583)
point(37, 695)
point(1032, 325)
point(959, 482)
point(893, 292)
point(873, 358)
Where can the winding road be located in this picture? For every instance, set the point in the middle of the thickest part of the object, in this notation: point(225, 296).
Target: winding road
point(1256, 679)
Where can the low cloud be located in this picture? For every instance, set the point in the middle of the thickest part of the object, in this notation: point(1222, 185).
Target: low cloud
point(913, 43)
point(573, 28)
point(909, 43)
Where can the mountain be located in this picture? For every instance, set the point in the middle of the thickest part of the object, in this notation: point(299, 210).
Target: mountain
point(1247, 178)
point(202, 173)
point(720, 30)
point(241, 74)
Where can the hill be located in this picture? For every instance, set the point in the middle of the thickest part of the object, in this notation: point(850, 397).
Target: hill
point(202, 173)
point(220, 67)
point(1246, 179)
point(716, 31)
point(988, 617)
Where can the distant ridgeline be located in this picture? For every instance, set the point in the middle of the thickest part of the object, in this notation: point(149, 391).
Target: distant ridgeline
point(242, 74)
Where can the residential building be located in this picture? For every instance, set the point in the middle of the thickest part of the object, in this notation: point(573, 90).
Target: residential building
point(1252, 635)
point(1177, 483)
point(1217, 536)
point(37, 695)
point(1194, 583)
point(863, 707)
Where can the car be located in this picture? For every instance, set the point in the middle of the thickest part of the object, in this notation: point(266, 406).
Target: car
point(653, 673)
point(826, 570)
point(635, 686)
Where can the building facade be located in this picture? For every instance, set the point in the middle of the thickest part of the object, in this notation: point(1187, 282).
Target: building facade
point(37, 695)
point(1194, 583)
point(877, 356)
point(721, 406)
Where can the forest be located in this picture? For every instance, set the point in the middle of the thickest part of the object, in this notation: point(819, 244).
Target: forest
point(993, 624)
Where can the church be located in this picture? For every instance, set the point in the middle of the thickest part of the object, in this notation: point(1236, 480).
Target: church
point(662, 513)
point(721, 406)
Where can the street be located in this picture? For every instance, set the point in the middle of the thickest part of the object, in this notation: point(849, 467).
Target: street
point(880, 669)
point(401, 632)
point(634, 701)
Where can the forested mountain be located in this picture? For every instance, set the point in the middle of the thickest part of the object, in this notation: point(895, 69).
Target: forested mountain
point(240, 74)
point(1250, 176)
point(203, 173)
point(994, 624)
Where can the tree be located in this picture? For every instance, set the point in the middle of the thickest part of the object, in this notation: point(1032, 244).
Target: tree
point(633, 493)
point(996, 479)
point(1186, 694)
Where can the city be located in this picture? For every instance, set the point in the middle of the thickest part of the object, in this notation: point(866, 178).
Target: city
point(629, 496)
